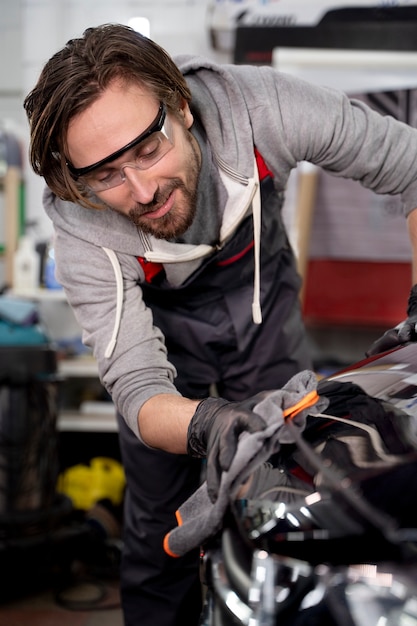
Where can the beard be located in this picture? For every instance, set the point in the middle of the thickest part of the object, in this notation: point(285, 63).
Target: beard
point(179, 219)
point(174, 223)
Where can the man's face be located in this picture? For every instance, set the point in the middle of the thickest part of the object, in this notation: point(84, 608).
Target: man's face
point(160, 199)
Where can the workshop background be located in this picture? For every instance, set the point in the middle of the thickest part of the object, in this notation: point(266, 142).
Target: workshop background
point(61, 482)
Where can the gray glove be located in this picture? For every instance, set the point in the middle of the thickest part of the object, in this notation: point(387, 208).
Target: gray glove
point(402, 333)
point(214, 433)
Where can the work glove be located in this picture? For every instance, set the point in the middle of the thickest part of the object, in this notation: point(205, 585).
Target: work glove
point(402, 333)
point(214, 433)
point(217, 424)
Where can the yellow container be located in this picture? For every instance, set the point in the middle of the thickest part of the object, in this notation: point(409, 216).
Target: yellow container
point(85, 485)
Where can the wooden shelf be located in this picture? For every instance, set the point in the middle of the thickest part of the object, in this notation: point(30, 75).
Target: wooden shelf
point(79, 367)
point(75, 421)
point(91, 416)
point(39, 294)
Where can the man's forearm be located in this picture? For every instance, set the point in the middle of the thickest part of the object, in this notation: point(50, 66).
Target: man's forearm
point(163, 422)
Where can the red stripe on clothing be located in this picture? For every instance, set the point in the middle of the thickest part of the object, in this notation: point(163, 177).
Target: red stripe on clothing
point(263, 169)
point(237, 256)
point(150, 269)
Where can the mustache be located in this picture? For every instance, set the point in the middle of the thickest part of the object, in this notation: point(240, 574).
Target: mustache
point(160, 197)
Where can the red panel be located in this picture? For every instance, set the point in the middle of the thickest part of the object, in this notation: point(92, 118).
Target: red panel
point(356, 292)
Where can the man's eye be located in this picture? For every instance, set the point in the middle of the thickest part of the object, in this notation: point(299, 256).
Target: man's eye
point(103, 177)
point(148, 149)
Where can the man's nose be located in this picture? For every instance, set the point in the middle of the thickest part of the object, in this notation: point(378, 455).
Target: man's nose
point(143, 186)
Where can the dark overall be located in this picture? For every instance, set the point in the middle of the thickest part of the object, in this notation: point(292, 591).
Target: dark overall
point(211, 339)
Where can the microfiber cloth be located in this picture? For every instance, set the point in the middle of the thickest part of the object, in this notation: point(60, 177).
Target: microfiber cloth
point(198, 517)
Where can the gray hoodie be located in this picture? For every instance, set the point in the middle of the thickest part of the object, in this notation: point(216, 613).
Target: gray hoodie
point(240, 107)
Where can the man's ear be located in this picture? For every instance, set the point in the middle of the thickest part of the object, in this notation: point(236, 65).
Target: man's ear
point(186, 114)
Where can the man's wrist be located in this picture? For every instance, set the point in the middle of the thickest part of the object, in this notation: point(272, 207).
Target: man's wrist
point(201, 424)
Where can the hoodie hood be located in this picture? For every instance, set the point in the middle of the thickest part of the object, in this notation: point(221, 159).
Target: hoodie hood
point(218, 100)
point(104, 228)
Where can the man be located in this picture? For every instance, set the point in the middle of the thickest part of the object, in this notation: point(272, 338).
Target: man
point(165, 183)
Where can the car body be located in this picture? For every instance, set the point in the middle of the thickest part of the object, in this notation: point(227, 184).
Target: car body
point(345, 554)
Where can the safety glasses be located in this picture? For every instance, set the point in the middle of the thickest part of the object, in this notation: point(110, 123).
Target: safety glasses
point(141, 154)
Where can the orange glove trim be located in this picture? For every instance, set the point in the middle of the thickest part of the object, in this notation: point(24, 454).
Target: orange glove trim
point(166, 547)
point(309, 400)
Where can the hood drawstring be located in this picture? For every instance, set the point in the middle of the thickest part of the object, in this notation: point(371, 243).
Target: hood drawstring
point(257, 218)
point(119, 300)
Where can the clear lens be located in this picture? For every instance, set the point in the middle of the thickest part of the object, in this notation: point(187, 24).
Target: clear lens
point(141, 157)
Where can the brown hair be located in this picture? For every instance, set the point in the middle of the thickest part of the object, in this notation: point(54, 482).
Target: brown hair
point(73, 79)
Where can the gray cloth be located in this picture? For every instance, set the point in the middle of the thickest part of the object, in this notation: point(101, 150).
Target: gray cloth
point(199, 518)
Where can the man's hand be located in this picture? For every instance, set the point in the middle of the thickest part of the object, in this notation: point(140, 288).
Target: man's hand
point(217, 424)
point(404, 332)
point(214, 433)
